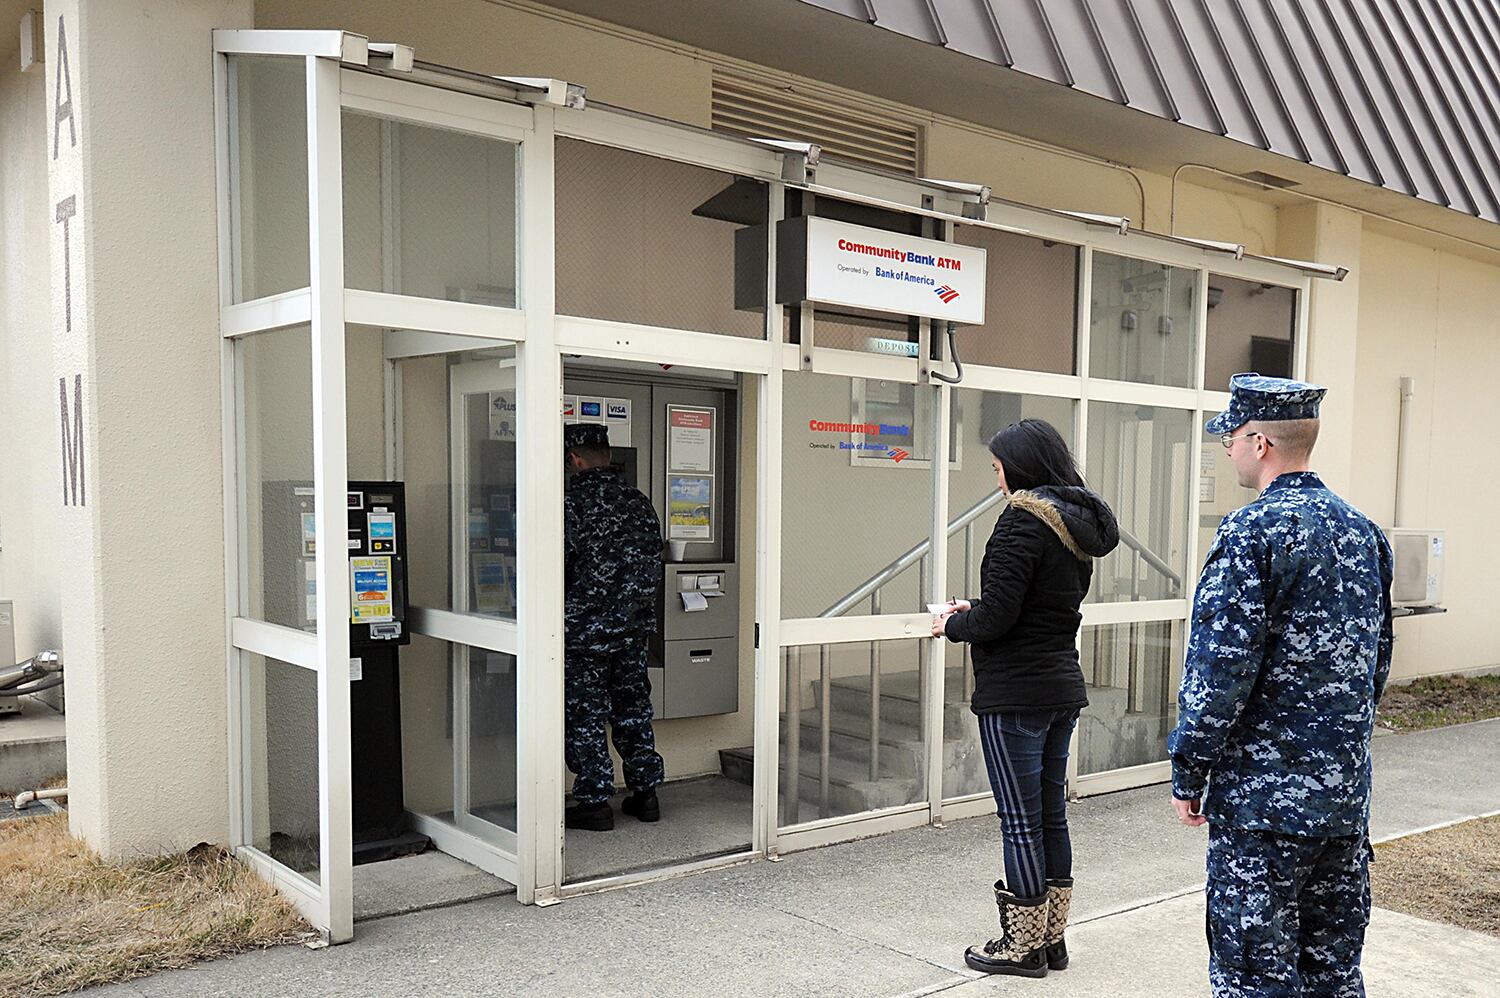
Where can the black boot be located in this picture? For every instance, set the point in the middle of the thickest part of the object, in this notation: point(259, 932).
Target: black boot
point(1020, 951)
point(642, 805)
point(1060, 899)
point(590, 817)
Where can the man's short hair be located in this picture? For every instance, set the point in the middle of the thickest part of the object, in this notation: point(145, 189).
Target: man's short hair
point(591, 453)
point(1296, 437)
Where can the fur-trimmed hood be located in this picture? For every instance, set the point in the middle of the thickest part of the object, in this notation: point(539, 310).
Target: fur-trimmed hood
point(1081, 520)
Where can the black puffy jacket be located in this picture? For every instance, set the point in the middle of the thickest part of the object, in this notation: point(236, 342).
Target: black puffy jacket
point(1035, 573)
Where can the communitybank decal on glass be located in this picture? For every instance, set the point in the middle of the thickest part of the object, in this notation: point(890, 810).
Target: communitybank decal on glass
point(865, 430)
point(883, 271)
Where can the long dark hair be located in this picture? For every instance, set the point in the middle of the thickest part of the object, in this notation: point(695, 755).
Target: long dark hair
point(1034, 454)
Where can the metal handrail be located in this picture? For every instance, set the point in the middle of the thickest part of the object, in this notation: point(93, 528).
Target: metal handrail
point(911, 557)
point(920, 550)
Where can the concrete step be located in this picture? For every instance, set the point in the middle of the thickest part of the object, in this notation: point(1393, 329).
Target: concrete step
point(850, 791)
point(900, 751)
point(900, 702)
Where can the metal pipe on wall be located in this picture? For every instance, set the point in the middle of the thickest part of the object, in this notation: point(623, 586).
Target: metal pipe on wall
point(1403, 441)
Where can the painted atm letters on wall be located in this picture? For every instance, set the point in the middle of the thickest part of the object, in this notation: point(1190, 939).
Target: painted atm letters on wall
point(65, 178)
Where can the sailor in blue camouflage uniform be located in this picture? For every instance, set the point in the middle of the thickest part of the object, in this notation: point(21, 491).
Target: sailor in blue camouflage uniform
point(612, 560)
point(1289, 653)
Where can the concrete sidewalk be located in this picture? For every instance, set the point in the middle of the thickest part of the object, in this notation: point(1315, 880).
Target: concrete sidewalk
point(886, 916)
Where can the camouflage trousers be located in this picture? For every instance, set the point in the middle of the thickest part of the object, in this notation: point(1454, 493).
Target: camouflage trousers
point(608, 683)
point(1286, 915)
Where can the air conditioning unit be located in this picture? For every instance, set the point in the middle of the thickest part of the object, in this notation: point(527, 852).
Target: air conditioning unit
point(1418, 570)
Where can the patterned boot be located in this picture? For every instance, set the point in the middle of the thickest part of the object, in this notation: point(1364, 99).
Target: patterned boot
point(1021, 950)
point(1060, 899)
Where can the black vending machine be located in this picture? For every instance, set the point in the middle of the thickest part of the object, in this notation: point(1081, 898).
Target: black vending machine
point(378, 609)
point(378, 606)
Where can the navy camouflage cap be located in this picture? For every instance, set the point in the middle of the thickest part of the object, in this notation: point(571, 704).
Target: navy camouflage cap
point(1257, 397)
point(585, 435)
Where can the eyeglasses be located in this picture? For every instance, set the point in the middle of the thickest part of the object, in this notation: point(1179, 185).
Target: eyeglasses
point(1226, 439)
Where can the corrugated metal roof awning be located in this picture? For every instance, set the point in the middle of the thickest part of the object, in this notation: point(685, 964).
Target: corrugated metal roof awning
point(1405, 94)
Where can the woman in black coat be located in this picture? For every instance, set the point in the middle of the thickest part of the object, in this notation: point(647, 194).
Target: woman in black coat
point(1028, 687)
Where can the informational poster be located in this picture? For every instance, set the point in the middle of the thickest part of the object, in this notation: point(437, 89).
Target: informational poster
point(503, 415)
point(493, 585)
point(690, 506)
point(617, 418)
point(479, 530)
point(1207, 488)
point(310, 592)
point(309, 534)
point(690, 440)
point(370, 597)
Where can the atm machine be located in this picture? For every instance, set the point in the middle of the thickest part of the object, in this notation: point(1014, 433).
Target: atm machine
point(378, 610)
point(674, 439)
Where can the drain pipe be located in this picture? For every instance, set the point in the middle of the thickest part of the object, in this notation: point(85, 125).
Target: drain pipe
point(26, 798)
point(1403, 441)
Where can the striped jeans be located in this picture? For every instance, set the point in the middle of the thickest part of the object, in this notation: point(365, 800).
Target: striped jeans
point(1027, 757)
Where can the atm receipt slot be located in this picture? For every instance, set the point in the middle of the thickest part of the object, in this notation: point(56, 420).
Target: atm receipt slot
point(697, 590)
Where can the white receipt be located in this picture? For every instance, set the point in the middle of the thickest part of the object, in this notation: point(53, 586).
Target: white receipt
point(693, 602)
point(938, 609)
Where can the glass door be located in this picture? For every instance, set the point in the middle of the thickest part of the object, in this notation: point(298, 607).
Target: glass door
point(482, 674)
point(858, 450)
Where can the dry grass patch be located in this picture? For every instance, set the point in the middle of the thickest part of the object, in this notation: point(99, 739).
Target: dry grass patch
point(1438, 701)
point(1450, 875)
point(68, 920)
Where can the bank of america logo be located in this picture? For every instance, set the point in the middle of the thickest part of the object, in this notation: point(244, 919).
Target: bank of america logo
point(898, 455)
point(946, 293)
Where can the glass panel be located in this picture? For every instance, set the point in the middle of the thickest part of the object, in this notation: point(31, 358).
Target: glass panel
point(427, 756)
point(487, 484)
point(972, 493)
point(1138, 460)
point(492, 736)
point(1143, 326)
point(1220, 493)
point(653, 242)
point(276, 530)
point(864, 702)
point(280, 704)
point(1132, 671)
point(1031, 304)
point(268, 109)
point(1250, 328)
point(480, 387)
point(429, 212)
point(364, 401)
point(861, 333)
point(849, 512)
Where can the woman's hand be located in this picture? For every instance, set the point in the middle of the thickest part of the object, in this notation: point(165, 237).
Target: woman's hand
point(961, 605)
point(940, 625)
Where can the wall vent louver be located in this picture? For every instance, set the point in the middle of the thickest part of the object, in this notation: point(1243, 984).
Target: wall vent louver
point(860, 136)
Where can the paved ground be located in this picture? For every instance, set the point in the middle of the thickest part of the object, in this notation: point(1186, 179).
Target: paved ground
point(886, 916)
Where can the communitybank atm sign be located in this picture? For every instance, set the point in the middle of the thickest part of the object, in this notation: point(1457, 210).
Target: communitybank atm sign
point(882, 271)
